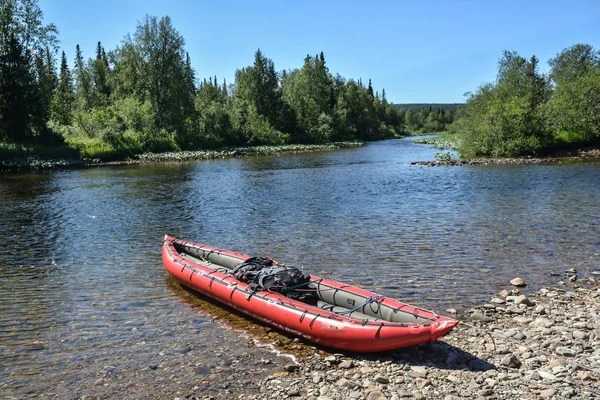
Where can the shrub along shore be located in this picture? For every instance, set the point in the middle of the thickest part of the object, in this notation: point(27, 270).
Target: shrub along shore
point(35, 162)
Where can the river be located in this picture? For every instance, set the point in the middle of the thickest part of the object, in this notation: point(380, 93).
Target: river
point(87, 308)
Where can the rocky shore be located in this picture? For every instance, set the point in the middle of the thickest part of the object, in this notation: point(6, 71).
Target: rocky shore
point(542, 346)
point(567, 157)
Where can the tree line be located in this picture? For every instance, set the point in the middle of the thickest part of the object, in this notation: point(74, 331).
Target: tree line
point(526, 112)
point(144, 96)
point(427, 118)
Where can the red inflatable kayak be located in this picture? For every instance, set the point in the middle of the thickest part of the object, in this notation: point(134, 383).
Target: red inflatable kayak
point(345, 317)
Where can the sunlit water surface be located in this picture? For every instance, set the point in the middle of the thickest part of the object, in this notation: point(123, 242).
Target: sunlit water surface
point(82, 284)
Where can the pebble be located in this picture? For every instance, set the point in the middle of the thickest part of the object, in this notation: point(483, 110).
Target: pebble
point(381, 379)
point(291, 367)
point(520, 336)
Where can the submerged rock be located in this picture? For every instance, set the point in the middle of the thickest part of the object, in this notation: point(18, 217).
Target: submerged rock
point(519, 282)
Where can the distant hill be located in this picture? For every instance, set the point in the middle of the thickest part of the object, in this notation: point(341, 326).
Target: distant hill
point(427, 106)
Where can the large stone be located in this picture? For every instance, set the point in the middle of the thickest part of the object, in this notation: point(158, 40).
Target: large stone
point(381, 379)
point(565, 351)
point(547, 375)
point(542, 323)
point(511, 361)
point(547, 393)
point(515, 310)
point(419, 369)
point(580, 335)
point(522, 320)
point(421, 383)
point(580, 325)
point(346, 364)
point(522, 299)
point(376, 395)
point(478, 316)
point(519, 282)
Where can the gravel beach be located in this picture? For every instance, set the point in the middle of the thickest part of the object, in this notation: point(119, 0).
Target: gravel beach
point(542, 346)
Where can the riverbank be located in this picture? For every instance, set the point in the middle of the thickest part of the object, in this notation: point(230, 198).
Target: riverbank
point(450, 142)
point(545, 345)
point(572, 156)
point(33, 163)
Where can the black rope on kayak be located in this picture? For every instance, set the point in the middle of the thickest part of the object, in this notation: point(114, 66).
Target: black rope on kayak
point(319, 289)
point(231, 294)
point(365, 321)
point(334, 293)
point(303, 315)
point(378, 302)
point(379, 330)
point(211, 282)
point(182, 268)
point(290, 288)
point(313, 321)
point(252, 294)
point(192, 274)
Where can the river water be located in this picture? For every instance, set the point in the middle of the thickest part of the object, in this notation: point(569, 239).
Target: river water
point(87, 308)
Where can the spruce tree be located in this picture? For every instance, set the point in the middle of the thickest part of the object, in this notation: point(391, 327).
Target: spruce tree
point(83, 84)
point(62, 104)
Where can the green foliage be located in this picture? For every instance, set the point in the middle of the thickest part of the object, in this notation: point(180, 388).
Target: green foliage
point(27, 77)
point(143, 97)
point(445, 157)
point(525, 113)
point(62, 102)
point(426, 118)
point(446, 141)
point(308, 91)
point(243, 151)
point(509, 117)
point(575, 105)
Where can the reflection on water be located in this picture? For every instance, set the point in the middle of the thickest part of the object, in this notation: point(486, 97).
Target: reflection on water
point(81, 278)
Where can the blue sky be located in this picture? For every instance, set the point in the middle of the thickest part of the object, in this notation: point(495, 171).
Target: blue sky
point(420, 52)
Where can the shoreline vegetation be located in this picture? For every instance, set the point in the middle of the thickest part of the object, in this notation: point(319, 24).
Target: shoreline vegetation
point(144, 97)
point(452, 142)
point(34, 162)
